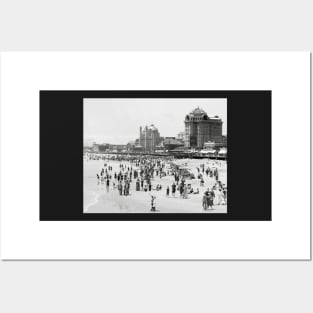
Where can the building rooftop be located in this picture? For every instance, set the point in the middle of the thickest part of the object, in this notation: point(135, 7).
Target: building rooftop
point(197, 111)
point(152, 127)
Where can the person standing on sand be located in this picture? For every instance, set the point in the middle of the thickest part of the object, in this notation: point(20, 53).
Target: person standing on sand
point(119, 187)
point(205, 200)
point(128, 186)
point(108, 184)
point(210, 198)
point(173, 190)
point(220, 197)
point(181, 190)
point(153, 204)
point(225, 194)
point(216, 194)
point(167, 191)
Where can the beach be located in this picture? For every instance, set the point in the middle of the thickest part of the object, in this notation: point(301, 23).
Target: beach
point(98, 198)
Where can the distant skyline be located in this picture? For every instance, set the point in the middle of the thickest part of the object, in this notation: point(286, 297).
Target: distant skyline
point(117, 121)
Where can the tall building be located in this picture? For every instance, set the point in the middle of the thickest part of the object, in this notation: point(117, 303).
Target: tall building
point(200, 128)
point(149, 138)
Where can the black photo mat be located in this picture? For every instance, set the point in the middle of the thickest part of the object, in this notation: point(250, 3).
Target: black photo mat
point(249, 185)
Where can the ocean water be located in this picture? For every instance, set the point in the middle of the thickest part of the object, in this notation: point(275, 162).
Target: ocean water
point(92, 190)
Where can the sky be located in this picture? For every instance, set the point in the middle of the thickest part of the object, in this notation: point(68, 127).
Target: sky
point(117, 121)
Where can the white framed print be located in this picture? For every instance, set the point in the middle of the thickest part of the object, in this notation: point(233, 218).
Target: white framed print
point(155, 155)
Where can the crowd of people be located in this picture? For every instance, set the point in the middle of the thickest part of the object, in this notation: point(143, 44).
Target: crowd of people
point(142, 171)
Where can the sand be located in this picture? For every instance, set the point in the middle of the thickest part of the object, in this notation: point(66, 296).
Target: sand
point(99, 199)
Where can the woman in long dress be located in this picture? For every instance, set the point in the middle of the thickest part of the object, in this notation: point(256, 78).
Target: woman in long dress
point(221, 197)
point(173, 190)
point(210, 199)
point(205, 201)
point(215, 191)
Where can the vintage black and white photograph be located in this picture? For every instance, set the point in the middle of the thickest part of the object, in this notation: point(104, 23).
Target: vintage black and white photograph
point(155, 155)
